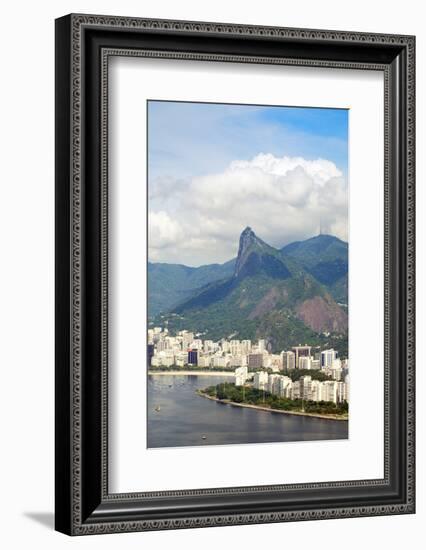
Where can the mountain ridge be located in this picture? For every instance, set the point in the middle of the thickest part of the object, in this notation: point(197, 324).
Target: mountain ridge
point(170, 284)
point(270, 294)
point(325, 257)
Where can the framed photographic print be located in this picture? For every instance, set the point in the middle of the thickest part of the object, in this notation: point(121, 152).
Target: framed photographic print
point(234, 274)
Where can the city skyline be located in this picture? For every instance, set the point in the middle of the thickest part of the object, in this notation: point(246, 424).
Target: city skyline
point(187, 341)
point(324, 375)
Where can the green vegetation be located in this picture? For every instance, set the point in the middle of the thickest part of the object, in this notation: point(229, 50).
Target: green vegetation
point(279, 327)
point(252, 396)
point(170, 284)
point(324, 256)
point(262, 298)
point(295, 374)
point(282, 331)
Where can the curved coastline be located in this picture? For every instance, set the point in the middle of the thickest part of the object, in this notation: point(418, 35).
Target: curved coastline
point(268, 409)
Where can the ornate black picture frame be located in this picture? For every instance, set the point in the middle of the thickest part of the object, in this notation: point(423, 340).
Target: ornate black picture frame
point(83, 45)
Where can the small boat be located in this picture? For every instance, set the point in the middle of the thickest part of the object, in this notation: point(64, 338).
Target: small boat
point(158, 408)
point(203, 437)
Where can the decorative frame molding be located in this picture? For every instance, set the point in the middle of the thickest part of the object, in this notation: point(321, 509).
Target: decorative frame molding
point(84, 43)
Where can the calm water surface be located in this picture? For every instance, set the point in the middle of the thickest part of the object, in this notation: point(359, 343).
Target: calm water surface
point(184, 417)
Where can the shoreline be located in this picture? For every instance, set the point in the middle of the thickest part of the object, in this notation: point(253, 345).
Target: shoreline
point(191, 373)
point(268, 409)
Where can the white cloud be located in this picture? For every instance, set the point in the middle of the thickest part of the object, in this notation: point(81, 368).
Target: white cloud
point(283, 199)
point(319, 170)
point(164, 232)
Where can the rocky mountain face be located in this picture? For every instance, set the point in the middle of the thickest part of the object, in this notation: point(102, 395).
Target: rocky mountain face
point(256, 257)
point(271, 293)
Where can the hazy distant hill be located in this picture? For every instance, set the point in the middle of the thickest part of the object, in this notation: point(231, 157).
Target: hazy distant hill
point(170, 284)
point(268, 293)
point(326, 258)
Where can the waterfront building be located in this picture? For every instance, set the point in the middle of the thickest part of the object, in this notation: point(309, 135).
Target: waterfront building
point(305, 387)
point(285, 385)
point(156, 361)
point(295, 390)
point(341, 392)
point(347, 388)
point(274, 384)
point(241, 375)
point(150, 352)
point(260, 380)
point(238, 361)
point(181, 356)
point(315, 390)
point(169, 359)
point(204, 361)
point(165, 350)
point(180, 362)
point(163, 359)
point(220, 361)
point(329, 391)
point(192, 357)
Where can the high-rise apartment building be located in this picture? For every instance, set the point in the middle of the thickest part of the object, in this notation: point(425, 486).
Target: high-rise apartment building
point(288, 360)
point(255, 360)
point(327, 358)
point(192, 357)
point(301, 351)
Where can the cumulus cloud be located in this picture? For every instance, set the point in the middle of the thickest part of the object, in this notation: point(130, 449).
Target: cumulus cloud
point(319, 170)
point(198, 220)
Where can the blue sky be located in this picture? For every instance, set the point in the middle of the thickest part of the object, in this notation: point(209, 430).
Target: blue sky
point(190, 139)
point(214, 169)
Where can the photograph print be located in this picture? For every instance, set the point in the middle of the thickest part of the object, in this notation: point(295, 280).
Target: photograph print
point(247, 304)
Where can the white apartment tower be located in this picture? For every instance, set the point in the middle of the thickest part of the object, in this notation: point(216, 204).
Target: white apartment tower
point(289, 360)
point(260, 380)
point(327, 358)
point(241, 375)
